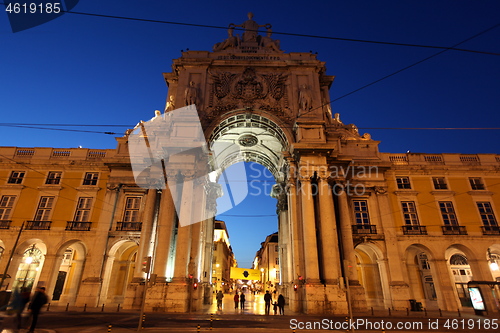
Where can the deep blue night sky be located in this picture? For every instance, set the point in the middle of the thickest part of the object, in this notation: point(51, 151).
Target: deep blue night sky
point(81, 69)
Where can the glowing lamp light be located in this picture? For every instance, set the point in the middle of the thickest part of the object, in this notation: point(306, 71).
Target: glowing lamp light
point(494, 266)
point(28, 260)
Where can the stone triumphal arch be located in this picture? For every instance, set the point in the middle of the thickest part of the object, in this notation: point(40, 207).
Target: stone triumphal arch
point(274, 107)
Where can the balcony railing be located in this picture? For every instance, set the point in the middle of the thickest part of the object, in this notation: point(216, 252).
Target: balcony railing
point(5, 224)
point(78, 226)
point(128, 226)
point(414, 230)
point(491, 230)
point(38, 225)
point(454, 230)
point(362, 229)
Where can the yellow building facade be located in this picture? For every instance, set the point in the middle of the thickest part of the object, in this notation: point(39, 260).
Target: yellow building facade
point(356, 226)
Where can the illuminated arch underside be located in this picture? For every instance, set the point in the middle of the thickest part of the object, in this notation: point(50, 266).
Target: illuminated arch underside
point(259, 140)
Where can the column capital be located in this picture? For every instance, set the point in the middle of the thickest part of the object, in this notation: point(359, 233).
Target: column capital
point(380, 189)
point(188, 174)
point(113, 187)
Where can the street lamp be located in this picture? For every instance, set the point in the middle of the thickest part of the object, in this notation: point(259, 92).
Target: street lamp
point(28, 260)
point(493, 263)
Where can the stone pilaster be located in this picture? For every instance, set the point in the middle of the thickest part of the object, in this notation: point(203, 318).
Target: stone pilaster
point(92, 277)
point(356, 291)
point(443, 285)
point(392, 270)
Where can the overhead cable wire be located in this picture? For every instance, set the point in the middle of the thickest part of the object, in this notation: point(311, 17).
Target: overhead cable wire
point(403, 69)
point(286, 33)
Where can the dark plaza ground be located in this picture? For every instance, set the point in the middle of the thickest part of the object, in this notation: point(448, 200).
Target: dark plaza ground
point(253, 319)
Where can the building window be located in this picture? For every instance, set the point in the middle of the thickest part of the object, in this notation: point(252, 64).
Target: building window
point(439, 183)
point(91, 178)
point(53, 178)
point(448, 213)
point(424, 261)
point(276, 248)
point(361, 212)
point(277, 261)
point(6, 204)
point(403, 183)
point(132, 208)
point(487, 214)
point(82, 213)
point(44, 208)
point(16, 177)
point(409, 212)
point(476, 183)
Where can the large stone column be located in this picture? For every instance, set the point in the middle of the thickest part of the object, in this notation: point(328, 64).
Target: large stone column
point(164, 237)
point(296, 262)
point(328, 233)
point(309, 231)
point(313, 291)
point(178, 290)
point(331, 261)
point(166, 219)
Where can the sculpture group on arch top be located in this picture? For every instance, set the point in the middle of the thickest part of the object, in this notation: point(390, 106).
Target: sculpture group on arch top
point(248, 73)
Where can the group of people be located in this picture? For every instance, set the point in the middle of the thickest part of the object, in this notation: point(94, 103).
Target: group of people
point(18, 302)
point(277, 304)
point(239, 302)
point(239, 299)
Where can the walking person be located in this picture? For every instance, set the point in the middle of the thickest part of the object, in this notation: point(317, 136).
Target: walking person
point(236, 300)
point(281, 304)
point(242, 301)
point(267, 300)
point(17, 304)
point(37, 302)
point(219, 298)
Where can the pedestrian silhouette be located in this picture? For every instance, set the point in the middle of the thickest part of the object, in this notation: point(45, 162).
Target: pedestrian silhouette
point(242, 301)
point(38, 300)
point(219, 298)
point(236, 300)
point(267, 300)
point(281, 304)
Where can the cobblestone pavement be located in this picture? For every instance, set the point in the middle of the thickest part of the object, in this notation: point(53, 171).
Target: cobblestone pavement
point(252, 319)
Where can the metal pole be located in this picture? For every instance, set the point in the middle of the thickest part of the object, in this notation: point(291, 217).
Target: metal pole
point(143, 303)
point(4, 276)
point(349, 306)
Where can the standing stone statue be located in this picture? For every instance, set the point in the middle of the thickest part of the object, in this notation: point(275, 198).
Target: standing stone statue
point(305, 99)
point(191, 94)
point(170, 103)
